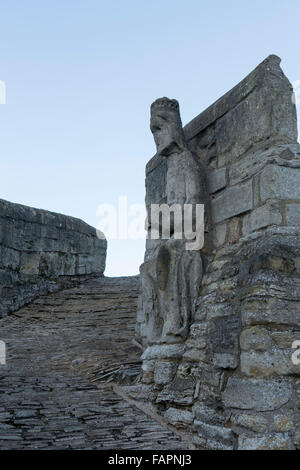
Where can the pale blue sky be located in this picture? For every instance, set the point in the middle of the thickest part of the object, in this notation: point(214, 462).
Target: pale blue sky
point(80, 78)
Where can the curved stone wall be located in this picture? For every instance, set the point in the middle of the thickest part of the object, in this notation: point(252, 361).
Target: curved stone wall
point(40, 250)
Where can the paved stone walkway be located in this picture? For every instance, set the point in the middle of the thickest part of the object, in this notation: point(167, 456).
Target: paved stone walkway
point(64, 351)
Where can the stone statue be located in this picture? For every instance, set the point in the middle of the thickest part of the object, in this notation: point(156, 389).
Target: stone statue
point(171, 275)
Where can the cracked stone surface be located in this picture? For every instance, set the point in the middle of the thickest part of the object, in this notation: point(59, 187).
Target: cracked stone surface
point(64, 351)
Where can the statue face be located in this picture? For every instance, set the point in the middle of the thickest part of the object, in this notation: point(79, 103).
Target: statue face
point(167, 131)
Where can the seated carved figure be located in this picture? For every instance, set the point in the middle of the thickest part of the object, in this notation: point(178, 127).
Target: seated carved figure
point(171, 274)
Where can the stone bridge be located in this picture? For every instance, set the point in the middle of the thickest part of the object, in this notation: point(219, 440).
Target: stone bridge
point(197, 353)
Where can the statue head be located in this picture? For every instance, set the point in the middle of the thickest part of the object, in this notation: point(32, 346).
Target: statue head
point(166, 126)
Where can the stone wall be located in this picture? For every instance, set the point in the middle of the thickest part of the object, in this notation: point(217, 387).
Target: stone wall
point(41, 250)
point(233, 384)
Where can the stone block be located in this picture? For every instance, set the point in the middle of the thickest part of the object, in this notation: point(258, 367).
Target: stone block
point(296, 438)
point(194, 354)
point(208, 414)
point(234, 230)
point(223, 335)
point(199, 442)
point(285, 339)
point(197, 336)
point(225, 360)
point(256, 338)
point(164, 372)
point(207, 374)
point(69, 265)
point(30, 263)
point(233, 201)
point(268, 214)
point(268, 363)
point(179, 392)
point(258, 312)
point(254, 423)
point(283, 423)
point(211, 444)
point(9, 258)
point(219, 235)
point(268, 442)
point(50, 264)
point(216, 180)
point(209, 431)
point(50, 231)
point(243, 114)
point(292, 213)
point(179, 418)
point(164, 351)
point(140, 392)
point(219, 310)
point(250, 122)
point(257, 394)
point(280, 182)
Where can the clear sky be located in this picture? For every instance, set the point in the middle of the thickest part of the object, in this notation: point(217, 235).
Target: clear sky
point(80, 78)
